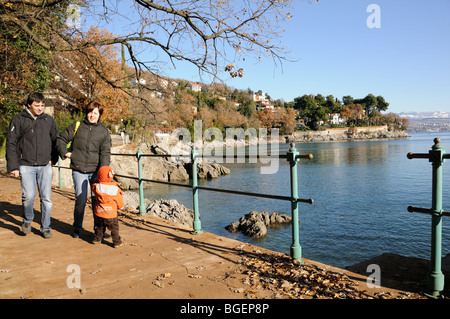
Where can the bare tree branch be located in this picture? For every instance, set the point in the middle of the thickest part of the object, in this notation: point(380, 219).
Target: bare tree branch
point(213, 35)
point(211, 28)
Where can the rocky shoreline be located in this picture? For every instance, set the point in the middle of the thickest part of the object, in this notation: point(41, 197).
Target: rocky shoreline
point(160, 168)
point(345, 134)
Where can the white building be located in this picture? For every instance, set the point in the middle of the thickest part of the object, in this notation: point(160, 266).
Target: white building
point(195, 87)
point(335, 118)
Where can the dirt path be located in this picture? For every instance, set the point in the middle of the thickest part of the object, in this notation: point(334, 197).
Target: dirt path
point(159, 259)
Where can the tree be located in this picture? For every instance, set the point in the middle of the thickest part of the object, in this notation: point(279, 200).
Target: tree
point(75, 70)
point(382, 105)
point(284, 119)
point(332, 105)
point(369, 104)
point(211, 35)
point(320, 99)
point(347, 100)
point(23, 68)
point(310, 109)
point(304, 103)
point(352, 113)
point(266, 119)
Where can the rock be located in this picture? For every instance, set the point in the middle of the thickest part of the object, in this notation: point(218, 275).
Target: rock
point(256, 225)
point(277, 218)
point(208, 171)
point(171, 210)
point(255, 229)
point(131, 199)
point(233, 227)
point(168, 169)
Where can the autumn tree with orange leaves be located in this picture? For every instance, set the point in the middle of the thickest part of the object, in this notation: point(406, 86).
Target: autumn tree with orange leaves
point(94, 74)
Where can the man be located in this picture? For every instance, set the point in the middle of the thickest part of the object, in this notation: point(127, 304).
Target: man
point(30, 145)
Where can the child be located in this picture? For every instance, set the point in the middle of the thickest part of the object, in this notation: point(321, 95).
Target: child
point(108, 199)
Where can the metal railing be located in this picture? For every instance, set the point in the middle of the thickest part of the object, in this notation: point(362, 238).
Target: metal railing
point(292, 157)
point(436, 156)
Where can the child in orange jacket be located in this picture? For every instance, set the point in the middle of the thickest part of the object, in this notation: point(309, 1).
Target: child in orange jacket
point(108, 199)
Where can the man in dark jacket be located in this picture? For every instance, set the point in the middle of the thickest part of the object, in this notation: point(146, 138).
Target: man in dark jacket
point(30, 146)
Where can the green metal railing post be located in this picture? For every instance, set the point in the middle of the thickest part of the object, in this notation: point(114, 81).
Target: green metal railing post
point(197, 223)
point(435, 277)
point(141, 184)
point(296, 249)
point(59, 173)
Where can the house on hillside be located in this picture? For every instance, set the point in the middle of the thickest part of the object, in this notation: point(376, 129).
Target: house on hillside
point(300, 124)
point(260, 97)
point(195, 87)
point(335, 118)
point(262, 102)
point(264, 107)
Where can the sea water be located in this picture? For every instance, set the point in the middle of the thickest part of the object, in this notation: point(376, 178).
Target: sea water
point(361, 191)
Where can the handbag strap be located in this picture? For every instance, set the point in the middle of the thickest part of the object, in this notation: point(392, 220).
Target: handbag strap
point(77, 125)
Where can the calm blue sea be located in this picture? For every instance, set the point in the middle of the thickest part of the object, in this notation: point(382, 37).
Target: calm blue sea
point(361, 192)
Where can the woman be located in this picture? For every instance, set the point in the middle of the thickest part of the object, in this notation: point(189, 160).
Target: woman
point(90, 150)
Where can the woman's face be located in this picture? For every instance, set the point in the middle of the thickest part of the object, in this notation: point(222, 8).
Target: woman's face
point(93, 116)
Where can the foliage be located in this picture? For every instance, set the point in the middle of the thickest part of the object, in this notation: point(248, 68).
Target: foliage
point(23, 69)
point(357, 112)
point(64, 119)
point(94, 74)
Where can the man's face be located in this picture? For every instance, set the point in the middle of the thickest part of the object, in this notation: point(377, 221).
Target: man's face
point(36, 108)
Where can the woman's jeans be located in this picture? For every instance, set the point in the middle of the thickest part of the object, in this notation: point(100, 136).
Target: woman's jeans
point(82, 183)
point(30, 177)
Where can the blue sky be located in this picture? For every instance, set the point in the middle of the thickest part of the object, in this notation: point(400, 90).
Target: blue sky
point(406, 60)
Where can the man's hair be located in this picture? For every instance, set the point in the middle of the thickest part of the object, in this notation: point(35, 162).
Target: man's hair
point(93, 105)
point(35, 97)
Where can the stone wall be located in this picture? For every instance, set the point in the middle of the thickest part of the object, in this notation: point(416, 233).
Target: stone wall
point(342, 134)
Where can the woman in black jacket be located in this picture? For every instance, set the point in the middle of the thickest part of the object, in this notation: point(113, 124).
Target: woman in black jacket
point(90, 150)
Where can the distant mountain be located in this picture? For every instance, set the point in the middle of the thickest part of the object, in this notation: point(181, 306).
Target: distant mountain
point(425, 115)
point(427, 121)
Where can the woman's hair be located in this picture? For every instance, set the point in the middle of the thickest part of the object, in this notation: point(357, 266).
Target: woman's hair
point(93, 105)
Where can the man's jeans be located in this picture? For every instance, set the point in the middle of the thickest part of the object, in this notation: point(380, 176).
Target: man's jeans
point(30, 177)
point(82, 183)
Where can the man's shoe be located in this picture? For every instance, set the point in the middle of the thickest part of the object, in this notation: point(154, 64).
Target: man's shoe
point(76, 234)
point(26, 228)
point(47, 234)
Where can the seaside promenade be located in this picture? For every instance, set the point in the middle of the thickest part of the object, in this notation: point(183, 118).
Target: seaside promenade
point(158, 260)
